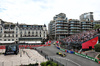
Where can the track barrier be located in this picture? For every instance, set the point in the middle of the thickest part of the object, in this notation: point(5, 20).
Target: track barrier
point(26, 46)
point(82, 55)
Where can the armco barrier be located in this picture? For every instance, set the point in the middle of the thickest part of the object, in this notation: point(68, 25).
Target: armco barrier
point(88, 57)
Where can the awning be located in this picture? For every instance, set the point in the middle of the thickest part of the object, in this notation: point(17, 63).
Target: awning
point(7, 41)
point(30, 42)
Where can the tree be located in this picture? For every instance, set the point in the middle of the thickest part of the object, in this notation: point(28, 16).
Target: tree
point(49, 63)
point(97, 27)
point(97, 47)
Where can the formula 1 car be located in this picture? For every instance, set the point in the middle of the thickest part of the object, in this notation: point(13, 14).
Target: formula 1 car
point(59, 53)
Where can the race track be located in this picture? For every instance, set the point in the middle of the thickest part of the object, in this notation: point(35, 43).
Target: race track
point(69, 60)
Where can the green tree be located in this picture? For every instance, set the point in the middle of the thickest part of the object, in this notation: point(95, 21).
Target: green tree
point(97, 47)
point(49, 63)
point(97, 27)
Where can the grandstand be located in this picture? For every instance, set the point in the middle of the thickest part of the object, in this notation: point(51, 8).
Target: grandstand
point(84, 40)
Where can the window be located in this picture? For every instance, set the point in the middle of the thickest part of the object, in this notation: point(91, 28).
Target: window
point(60, 21)
point(5, 35)
point(28, 32)
point(16, 28)
point(24, 26)
point(13, 35)
point(12, 39)
point(9, 35)
point(0, 35)
point(21, 35)
point(4, 39)
point(29, 25)
point(16, 35)
point(60, 24)
point(8, 39)
point(1, 29)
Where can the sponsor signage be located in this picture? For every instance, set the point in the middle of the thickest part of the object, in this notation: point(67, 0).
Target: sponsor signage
point(88, 57)
point(62, 49)
point(90, 43)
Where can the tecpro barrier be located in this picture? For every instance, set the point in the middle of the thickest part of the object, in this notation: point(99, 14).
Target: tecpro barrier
point(68, 51)
point(88, 57)
point(58, 47)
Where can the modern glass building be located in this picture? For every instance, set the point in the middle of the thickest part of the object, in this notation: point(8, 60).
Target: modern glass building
point(58, 27)
point(61, 26)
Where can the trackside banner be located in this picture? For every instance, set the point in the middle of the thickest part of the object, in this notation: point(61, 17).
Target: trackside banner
point(91, 58)
point(62, 49)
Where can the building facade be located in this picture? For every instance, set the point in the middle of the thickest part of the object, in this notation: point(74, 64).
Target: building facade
point(87, 17)
point(61, 27)
point(58, 27)
point(22, 32)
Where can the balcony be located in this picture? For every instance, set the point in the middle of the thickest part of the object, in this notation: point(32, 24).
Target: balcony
point(75, 31)
point(87, 28)
point(62, 33)
point(74, 28)
point(63, 25)
point(86, 23)
point(75, 25)
point(61, 30)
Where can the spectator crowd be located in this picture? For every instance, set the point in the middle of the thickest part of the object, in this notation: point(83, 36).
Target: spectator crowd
point(80, 37)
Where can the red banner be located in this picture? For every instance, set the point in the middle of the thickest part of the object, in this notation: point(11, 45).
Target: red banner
point(90, 43)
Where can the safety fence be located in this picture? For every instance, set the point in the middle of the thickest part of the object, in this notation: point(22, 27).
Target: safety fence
point(82, 55)
point(27, 46)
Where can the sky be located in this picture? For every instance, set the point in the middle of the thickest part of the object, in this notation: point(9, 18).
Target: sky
point(42, 11)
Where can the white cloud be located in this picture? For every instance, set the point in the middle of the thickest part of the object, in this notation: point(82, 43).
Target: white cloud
point(42, 11)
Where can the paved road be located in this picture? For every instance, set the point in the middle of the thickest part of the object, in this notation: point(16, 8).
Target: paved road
point(69, 60)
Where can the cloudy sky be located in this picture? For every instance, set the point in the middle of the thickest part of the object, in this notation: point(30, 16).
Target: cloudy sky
point(42, 11)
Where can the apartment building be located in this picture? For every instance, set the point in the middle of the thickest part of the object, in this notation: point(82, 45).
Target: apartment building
point(61, 26)
point(74, 26)
point(87, 17)
point(58, 27)
point(12, 32)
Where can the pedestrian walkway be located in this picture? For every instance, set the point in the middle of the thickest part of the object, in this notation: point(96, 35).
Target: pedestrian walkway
point(24, 57)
